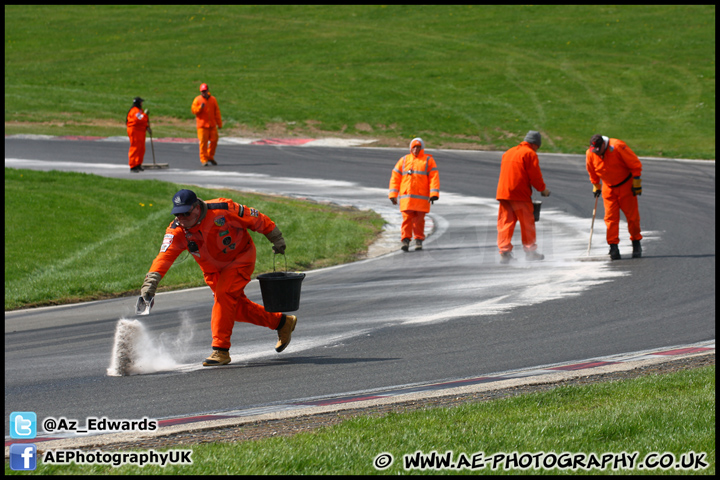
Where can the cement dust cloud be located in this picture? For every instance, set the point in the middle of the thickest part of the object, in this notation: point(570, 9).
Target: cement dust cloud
point(136, 351)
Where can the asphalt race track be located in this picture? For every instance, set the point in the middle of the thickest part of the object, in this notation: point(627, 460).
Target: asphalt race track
point(448, 312)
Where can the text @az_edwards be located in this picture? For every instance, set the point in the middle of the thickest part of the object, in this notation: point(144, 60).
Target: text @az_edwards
point(98, 425)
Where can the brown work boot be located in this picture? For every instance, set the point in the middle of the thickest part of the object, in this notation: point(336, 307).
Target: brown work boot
point(405, 245)
point(218, 357)
point(285, 332)
point(418, 244)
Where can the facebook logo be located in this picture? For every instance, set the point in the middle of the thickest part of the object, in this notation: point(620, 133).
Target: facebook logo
point(23, 425)
point(23, 456)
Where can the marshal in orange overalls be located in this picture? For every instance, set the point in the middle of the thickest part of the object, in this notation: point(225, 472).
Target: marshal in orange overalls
point(137, 125)
point(519, 173)
point(616, 168)
point(225, 252)
point(207, 120)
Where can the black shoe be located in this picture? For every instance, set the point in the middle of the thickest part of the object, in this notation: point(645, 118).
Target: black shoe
point(637, 249)
point(212, 160)
point(405, 245)
point(137, 169)
point(506, 257)
point(532, 255)
point(614, 252)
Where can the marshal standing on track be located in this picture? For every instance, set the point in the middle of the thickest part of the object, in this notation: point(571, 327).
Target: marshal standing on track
point(519, 173)
point(216, 234)
point(612, 161)
point(415, 182)
point(207, 119)
point(137, 123)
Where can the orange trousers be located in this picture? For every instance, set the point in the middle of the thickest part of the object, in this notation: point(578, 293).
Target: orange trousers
point(136, 154)
point(510, 212)
point(615, 200)
point(231, 304)
point(208, 143)
point(413, 224)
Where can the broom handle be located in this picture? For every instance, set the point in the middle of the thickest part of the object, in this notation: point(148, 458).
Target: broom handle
point(152, 146)
point(592, 225)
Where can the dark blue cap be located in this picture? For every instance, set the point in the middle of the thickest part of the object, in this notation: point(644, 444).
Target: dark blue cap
point(183, 201)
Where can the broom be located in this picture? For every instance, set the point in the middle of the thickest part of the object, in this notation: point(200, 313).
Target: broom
point(587, 257)
point(152, 146)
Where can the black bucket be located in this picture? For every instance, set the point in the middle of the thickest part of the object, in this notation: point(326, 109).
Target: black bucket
point(281, 290)
point(536, 209)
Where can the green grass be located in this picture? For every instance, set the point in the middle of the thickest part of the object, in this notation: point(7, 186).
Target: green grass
point(74, 236)
point(460, 76)
point(672, 413)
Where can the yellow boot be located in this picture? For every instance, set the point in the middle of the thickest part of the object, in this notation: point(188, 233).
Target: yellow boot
point(218, 357)
point(285, 332)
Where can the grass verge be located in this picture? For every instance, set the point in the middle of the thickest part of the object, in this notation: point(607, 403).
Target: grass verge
point(73, 237)
point(460, 76)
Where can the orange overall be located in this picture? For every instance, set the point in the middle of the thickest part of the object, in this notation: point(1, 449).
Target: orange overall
point(413, 181)
point(225, 252)
point(207, 121)
point(519, 173)
point(615, 168)
point(137, 124)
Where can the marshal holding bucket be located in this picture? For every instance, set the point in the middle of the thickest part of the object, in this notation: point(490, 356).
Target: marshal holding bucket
point(280, 290)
